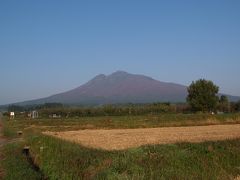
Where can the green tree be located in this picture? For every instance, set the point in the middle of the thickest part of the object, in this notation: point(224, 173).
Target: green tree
point(202, 95)
point(237, 106)
point(224, 104)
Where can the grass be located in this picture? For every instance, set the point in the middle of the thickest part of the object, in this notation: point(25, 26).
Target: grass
point(210, 160)
point(16, 165)
point(59, 159)
point(117, 122)
point(9, 128)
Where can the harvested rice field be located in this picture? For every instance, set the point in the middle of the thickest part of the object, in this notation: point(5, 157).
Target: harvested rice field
point(120, 139)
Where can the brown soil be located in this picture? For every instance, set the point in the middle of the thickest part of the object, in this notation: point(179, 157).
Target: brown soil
point(119, 139)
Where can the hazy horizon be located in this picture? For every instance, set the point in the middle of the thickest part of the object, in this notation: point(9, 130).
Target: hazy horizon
point(48, 47)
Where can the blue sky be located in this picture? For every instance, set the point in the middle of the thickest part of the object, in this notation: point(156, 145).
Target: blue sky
point(47, 47)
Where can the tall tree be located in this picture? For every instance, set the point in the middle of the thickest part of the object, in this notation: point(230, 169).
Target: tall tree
point(202, 95)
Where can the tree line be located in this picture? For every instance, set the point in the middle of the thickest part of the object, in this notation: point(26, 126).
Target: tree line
point(104, 110)
point(118, 110)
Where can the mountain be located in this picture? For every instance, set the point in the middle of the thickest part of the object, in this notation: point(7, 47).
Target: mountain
point(120, 87)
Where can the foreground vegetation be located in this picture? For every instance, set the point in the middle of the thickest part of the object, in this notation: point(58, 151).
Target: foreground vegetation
point(16, 165)
point(59, 159)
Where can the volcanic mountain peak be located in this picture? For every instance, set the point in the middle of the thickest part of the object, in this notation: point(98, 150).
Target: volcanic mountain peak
point(120, 87)
point(119, 73)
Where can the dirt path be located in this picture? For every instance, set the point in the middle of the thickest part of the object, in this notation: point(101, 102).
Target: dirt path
point(119, 139)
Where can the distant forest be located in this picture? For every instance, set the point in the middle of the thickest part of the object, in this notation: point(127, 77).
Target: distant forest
point(62, 110)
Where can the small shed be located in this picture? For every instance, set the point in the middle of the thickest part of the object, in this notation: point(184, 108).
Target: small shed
point(12, 115)
point(33, 114)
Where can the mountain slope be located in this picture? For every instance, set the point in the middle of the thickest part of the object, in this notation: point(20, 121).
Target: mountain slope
point(119, 87)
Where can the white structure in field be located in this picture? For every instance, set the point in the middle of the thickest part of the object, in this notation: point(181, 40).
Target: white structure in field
point(12, 115)
point(54, 116)
point(33, 114)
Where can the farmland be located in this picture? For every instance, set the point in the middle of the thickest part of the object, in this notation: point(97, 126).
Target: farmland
point(120, 139)
point(60, 159)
